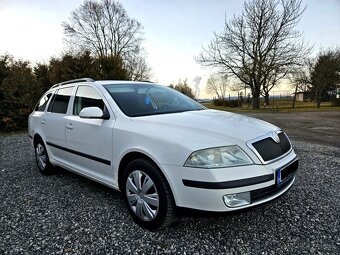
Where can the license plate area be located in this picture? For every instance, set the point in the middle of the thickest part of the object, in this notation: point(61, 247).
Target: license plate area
point(283, 174)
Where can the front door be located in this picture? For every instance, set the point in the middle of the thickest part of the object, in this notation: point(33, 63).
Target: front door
point(90, 140)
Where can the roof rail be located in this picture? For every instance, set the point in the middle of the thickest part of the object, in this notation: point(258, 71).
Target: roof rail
point(73, 81)
point(146, 81)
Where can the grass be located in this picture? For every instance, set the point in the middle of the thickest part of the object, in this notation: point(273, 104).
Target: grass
point(279, 105)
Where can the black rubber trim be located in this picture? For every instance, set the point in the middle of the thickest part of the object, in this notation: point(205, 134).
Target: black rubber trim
point(229, 184)
point(104, 161)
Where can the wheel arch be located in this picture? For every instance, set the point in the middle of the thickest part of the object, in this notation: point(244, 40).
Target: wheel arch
point(132, 155)
point(36, 138)
point(126, 159)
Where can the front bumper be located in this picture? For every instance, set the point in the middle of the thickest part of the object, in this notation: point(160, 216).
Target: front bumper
point(203, 189)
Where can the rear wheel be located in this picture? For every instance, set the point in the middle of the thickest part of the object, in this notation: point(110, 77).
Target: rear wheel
point(148, 195)
point(44, 165)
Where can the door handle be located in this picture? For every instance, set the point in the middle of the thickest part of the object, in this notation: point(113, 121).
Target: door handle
point(43, 122)
point(69, 126)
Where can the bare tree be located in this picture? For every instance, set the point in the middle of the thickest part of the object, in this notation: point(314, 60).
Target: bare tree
point(212, 86)
point(138, 68)
point(217, 85)
point(105, 29)
point(299, 81)
point(272, 81)
point(183, 87)
point(260, 46)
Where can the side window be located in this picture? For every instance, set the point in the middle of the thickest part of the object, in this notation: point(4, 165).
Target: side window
point(42, 103)
point(60, 100)
point(87, 96)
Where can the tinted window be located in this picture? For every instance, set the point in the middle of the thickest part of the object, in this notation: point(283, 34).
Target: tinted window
point(42, 103)
point(87, 97)
point(149, 99)
point(60, 100)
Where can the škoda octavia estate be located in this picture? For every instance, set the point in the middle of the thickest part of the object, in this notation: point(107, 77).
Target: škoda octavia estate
point(160, 148)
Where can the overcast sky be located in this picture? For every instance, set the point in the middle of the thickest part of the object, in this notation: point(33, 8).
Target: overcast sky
point(175, 30)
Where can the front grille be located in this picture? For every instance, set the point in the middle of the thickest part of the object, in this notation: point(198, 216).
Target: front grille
point(269, 149)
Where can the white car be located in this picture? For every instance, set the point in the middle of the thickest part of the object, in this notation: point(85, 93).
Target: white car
point(161, 149)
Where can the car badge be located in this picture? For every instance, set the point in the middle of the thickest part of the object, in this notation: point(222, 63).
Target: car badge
point(275, 137)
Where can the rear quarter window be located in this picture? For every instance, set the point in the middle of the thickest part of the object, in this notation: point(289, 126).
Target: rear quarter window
point(41, 105)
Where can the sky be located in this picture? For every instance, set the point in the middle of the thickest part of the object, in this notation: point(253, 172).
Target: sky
point(175, 31)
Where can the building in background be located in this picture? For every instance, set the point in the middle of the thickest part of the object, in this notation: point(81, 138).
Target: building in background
point(303, 96)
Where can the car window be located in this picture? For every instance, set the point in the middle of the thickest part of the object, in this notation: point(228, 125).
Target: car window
point(60, 100)
point(41, 105)
point(87, 96)
point(150, 99)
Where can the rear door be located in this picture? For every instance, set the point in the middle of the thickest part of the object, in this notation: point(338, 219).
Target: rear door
point(54, 122)
point(90, 140)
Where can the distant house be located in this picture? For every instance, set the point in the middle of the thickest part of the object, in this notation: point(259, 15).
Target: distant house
point(303, 96)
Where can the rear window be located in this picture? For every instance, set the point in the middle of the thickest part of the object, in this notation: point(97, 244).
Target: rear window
point(60, 100)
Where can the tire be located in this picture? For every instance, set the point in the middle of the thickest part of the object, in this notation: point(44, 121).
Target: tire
point(44, 165)
point(150, 203)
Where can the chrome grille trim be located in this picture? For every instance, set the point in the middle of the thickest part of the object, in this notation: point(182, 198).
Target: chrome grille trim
point(268, 135)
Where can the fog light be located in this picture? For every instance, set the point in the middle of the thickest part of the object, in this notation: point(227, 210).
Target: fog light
point(236, 200)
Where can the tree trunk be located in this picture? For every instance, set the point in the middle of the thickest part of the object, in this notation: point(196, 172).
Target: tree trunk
point(256, 97)
point(294, 98)
point(318, 103)
point(256, 103)
point(266, 98)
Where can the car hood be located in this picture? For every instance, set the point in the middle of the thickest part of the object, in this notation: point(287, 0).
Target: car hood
point(204, 128)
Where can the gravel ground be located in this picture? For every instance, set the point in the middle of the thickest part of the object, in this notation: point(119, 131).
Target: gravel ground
point(68, 214)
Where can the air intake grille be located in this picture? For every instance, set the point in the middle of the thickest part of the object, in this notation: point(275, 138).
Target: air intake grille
point(269, 149)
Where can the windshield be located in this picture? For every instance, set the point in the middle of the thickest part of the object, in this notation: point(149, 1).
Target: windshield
point(150, 99)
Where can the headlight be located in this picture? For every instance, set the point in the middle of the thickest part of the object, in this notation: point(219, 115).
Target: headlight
point(218, 157)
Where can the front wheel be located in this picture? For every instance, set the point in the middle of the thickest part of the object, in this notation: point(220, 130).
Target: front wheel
point(44, 165)
point(148, 195)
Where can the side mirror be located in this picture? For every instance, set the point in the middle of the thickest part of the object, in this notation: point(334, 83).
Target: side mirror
point(93, 113)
